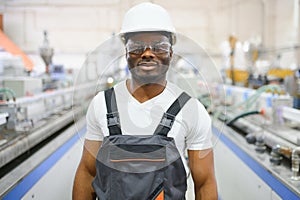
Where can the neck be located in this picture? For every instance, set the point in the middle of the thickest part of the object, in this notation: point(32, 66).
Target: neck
point(144, 92)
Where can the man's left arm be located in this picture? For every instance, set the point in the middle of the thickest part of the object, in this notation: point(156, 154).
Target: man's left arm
point(201, 164)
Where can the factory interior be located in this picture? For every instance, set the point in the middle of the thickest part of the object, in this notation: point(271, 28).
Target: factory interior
point(239, 58)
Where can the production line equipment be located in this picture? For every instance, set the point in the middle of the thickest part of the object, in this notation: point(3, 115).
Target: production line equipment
point(261, 128)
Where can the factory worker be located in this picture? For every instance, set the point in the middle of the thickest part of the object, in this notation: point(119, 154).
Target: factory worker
point(148, 36)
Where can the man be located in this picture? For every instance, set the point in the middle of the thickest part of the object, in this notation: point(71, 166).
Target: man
point(148, 35)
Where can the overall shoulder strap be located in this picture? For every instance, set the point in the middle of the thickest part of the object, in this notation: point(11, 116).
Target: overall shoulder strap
point(113, 119)
point(168, 117)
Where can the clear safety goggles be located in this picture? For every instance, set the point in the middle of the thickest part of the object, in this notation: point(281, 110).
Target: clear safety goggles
point(137, 48)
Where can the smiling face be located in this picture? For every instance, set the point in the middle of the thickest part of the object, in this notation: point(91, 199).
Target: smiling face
point(148, 56)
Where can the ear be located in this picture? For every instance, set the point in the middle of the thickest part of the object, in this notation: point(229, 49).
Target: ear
point(171, 52)
point(126, 54)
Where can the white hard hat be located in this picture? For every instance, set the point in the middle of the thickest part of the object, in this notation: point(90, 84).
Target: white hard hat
point(147, 17)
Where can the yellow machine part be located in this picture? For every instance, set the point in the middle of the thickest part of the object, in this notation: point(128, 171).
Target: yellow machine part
point(280, 73)
point(239, 75)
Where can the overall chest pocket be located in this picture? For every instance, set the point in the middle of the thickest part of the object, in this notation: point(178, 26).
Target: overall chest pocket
point(138, 171)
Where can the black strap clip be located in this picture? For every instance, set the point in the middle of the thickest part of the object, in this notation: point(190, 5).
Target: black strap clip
point(113, 119)
point(167, 120)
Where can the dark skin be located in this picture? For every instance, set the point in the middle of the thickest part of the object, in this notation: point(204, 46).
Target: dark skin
point(86, 171)
point(201, 163)
point(148, 72)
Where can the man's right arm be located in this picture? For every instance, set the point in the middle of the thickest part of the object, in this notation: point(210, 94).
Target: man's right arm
point(86, 171)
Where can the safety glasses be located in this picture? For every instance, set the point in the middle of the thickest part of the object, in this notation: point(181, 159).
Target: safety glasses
point(137, 48)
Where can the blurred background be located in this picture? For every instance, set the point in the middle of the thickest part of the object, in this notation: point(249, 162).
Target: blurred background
point(240, 58)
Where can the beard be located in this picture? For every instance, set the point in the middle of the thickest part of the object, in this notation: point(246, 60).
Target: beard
point(149, 77)
point(147, 70)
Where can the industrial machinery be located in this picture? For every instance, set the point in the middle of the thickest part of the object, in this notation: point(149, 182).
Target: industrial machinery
point(263, 130)
point(24, 121)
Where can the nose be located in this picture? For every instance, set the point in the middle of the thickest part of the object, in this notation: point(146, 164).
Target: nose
point(147, 54)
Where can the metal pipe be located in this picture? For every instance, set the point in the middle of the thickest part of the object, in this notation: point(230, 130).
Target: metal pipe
point(295, 163)
point(230, 122)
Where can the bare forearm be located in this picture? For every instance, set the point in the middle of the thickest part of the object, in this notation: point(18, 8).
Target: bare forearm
point(208, 191)
point(82, 188)
point(202, 169)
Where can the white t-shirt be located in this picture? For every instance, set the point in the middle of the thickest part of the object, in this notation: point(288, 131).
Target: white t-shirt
point(191, 128)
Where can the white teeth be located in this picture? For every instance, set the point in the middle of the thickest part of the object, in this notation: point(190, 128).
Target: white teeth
point(147, 63)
